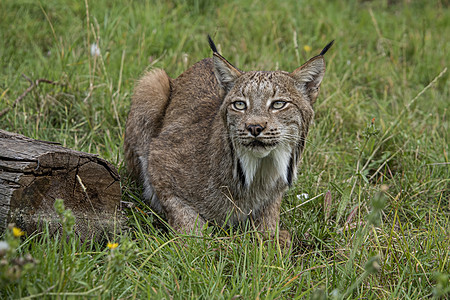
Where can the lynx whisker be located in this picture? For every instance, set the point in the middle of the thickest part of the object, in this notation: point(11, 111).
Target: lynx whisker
point(295, 138)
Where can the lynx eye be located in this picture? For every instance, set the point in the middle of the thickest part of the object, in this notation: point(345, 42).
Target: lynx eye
point(278, 104)
point(239, 105)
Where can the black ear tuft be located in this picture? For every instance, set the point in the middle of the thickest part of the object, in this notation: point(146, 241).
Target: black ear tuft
point(225, 72)
point(327, 47)
point(212, 45)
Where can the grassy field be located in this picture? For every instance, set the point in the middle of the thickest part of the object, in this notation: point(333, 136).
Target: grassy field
point(370, 211)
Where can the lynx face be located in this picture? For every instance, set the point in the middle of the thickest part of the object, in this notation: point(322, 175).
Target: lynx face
point(267, 115)
point(264, 112)
point(267, 118)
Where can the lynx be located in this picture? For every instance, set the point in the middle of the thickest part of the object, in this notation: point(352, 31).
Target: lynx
point(219, 145)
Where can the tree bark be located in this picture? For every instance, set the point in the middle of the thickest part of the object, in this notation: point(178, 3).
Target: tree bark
point(33, 174)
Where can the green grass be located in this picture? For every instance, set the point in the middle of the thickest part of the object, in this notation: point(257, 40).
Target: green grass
point(376, 223)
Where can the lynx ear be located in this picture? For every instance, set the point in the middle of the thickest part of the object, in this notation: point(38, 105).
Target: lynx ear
point(225, 72)
point(309, 76)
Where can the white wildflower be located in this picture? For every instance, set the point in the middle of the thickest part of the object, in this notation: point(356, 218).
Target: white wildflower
point(303, 196)
point(95, 49)
point(4, 246)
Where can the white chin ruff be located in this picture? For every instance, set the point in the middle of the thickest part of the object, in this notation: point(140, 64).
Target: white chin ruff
point(259, 153)
point(265, 165)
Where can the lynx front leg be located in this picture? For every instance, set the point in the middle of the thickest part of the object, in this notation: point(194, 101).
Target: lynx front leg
point(268, 223)
point(183, 218)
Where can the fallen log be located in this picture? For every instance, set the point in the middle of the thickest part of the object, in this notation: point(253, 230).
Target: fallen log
point(33, 174)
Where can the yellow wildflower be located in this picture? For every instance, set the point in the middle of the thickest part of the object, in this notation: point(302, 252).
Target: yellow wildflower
point(112, 245)
point(307, 48)
point(17, 232)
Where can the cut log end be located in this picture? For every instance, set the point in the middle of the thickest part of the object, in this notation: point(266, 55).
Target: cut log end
point(33, 174)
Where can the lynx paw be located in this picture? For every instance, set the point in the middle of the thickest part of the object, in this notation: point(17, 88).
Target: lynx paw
point(284, 238)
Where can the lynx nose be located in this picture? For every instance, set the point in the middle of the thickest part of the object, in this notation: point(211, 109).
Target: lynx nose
point(255, 129)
